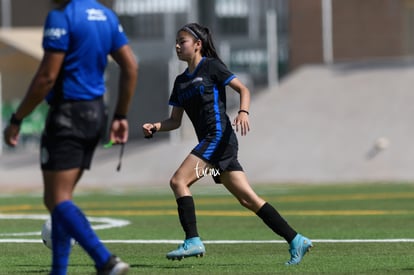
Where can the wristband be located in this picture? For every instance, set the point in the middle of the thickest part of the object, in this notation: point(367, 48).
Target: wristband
point(15, 121)
point(243, 111)
point(119, 117)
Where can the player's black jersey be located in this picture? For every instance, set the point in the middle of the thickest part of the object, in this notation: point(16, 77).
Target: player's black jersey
point(202, 95)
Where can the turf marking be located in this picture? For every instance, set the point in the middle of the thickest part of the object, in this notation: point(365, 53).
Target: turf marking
point(246, 213)
point(103, 223)
point(227, 241)
point(262, 241)
point(106, 223)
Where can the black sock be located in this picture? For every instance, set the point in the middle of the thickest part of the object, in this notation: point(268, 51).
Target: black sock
point(274, 221)
point(186, 213)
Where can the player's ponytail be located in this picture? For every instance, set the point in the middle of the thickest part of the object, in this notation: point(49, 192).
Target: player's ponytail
point(202, 33)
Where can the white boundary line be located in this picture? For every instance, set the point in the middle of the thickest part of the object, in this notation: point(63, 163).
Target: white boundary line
point(259, 242)
point(226, 241)
point(111, 223)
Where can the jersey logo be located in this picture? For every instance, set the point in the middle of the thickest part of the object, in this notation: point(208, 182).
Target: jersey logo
point(54, 33)
point(192, 82)
point(96, 15)
point(196, 80)
point(189, 89)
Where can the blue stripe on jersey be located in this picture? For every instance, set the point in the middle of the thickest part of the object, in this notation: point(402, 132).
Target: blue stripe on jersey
point(219, 131)
point(217, 112)
point(228, 80)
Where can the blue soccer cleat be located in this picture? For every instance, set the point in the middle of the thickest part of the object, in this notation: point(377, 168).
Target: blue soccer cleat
point(192, 247)
point(298, 248)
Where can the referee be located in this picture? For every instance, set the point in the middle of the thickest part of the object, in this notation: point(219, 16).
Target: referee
point(78, 37)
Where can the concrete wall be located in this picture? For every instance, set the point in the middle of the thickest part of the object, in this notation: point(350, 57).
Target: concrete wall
point(323, 124)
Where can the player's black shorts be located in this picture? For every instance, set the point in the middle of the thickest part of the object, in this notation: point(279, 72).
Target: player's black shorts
point(72, 132)
point(224, 157)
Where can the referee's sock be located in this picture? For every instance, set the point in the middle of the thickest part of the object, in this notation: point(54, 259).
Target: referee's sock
point(61, 246)
point(274, 221)
point(77, 225)
point(187, 216)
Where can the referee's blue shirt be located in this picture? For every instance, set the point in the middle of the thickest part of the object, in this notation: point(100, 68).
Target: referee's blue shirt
point(87, 32)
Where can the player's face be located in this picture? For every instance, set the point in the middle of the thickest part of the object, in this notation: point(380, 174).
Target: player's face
point(186, 46)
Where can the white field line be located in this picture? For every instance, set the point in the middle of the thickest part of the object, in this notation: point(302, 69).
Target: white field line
point(226, 241)
point(106, 223)
point(103, 223)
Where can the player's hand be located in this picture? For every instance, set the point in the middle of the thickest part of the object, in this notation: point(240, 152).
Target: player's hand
point(148, 129)
point(242, 122)
point(11, 135)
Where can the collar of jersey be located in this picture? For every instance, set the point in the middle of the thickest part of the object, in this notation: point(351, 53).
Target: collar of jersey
point(197, 68)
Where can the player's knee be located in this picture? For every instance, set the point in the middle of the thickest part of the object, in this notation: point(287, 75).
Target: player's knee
point(175, 183)
point(249, 204)
point(180, 184)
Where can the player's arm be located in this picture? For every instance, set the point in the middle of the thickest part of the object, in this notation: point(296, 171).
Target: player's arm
point(41, 84)
point(171, 123)
point(242, 118)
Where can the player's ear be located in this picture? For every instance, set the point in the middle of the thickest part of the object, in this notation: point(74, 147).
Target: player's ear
point(199, 44)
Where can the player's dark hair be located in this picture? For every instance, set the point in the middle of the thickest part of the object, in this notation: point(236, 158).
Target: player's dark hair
point(202, 33)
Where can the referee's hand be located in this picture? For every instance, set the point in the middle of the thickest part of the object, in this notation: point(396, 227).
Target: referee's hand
point(119, 131)
point(11, 135)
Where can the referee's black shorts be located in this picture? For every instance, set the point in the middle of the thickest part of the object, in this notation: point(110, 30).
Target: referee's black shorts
point(72, 132)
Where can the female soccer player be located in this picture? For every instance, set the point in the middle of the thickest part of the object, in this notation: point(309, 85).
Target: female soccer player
point(200, 92)
point(77, 39)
